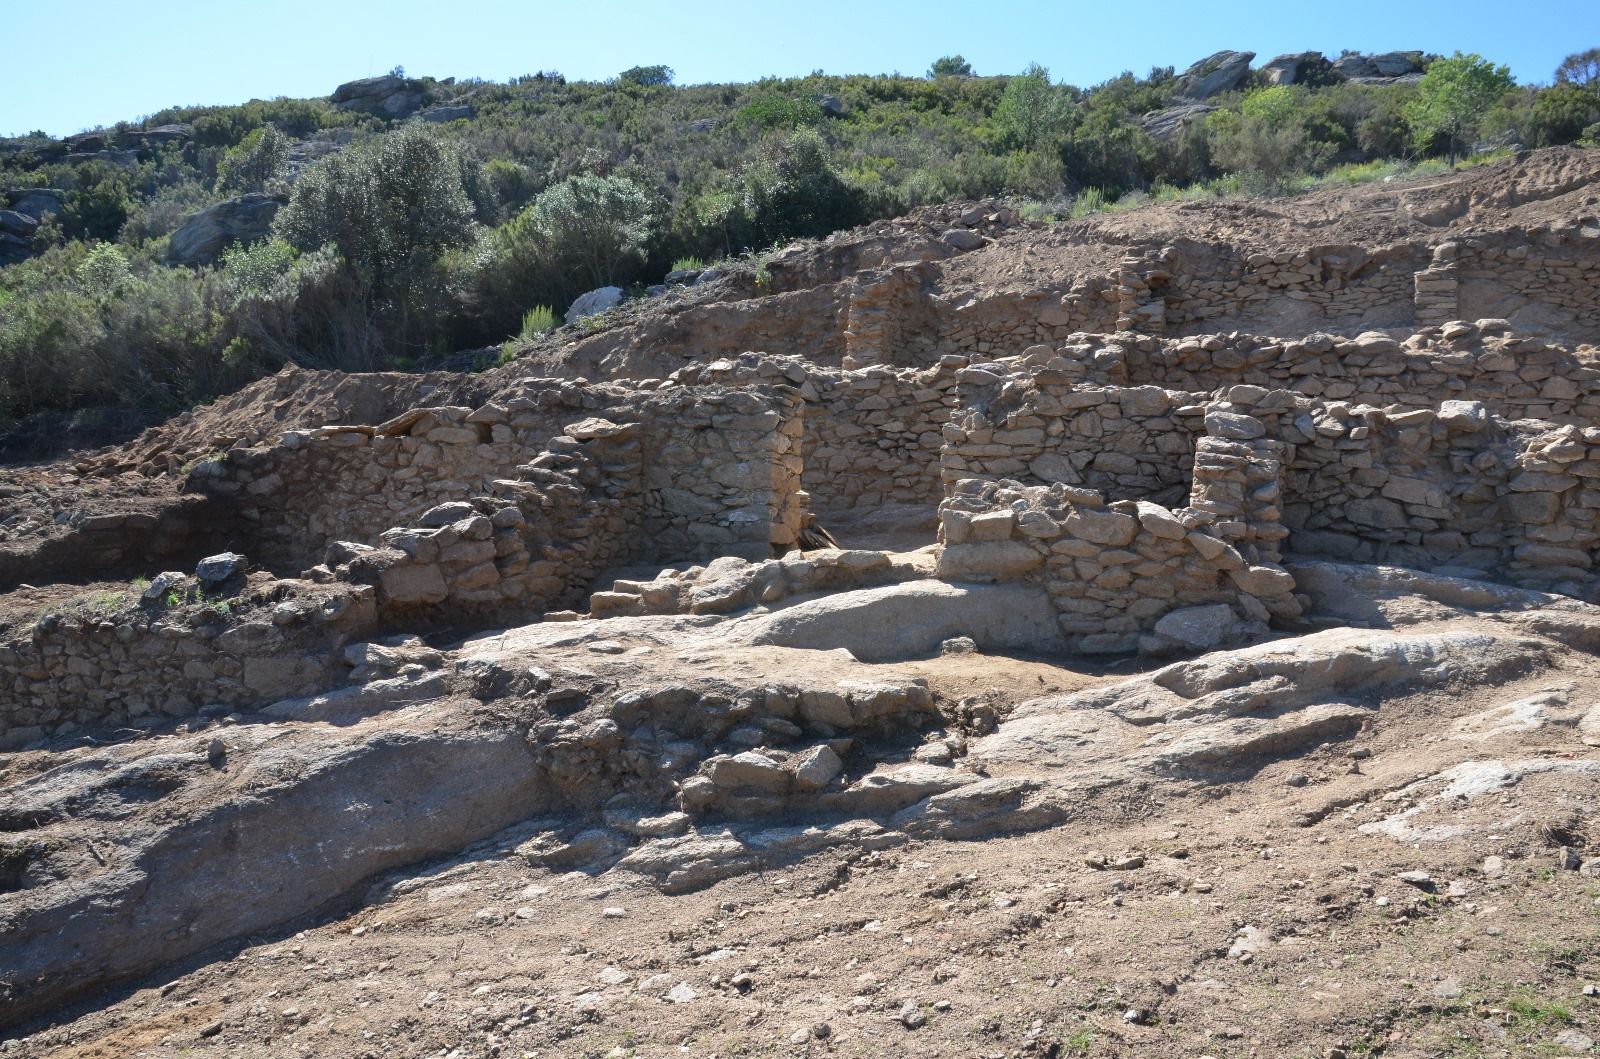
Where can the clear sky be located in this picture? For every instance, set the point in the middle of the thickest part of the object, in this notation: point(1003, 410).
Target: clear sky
point(78, 64)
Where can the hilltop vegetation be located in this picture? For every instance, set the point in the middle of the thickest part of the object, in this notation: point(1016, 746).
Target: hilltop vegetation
point(400, 241)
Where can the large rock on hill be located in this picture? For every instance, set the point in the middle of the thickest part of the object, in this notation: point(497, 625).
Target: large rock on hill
point(1167, 124)
point(1295, 69)
point(203, 236)
point(1389, 66)
point(1215, 74)
point(37, 203)
point(389, 96)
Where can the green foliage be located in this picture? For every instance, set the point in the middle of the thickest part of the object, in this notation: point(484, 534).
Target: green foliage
point(1454, 94)
point(774, 111)
point(1581, 69)
point(592, 224)
point(950, 66)
point(1270, 149)
point(256, 163)
point(390, 208)
point(1274, 106)
point(649, 76)
point(103, 270)
point(539, 320)
point(790, 189)
point(1032, 111)
point(687, 264)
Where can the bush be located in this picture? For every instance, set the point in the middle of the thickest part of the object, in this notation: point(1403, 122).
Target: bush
point(1031, 111)
point(773, 111)
point(390, 208)
point(539, 320)
point(594, 225)
point(648, 76)
point(256, 163)
point(688, 264)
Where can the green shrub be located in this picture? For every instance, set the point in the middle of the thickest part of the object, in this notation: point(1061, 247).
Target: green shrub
point(688, 264)
point(774, 111)
point(257, 163)
point(539, 320)
point(648, 76)
point(1032, 111)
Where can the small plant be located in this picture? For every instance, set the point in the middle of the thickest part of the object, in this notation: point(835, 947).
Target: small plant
point(1090, 201)
point(1526, 1009)
point(539, 320)
point(688, 264)
point(1079, 1043)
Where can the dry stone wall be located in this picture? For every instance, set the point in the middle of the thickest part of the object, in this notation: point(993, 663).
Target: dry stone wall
point(1518, 376)
point(1114, 571)
point(1041, 425)
point(871, 436)
point(71, 671)
point(707, 452)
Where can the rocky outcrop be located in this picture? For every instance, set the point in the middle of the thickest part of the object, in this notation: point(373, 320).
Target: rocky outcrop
point(1169, 123)
point(448, 112)
point(1215, 74)
point(593, 303)
point(202, 238)
point(37, 203)
point(1295, 69)
point(389, 96)
point(1385, 66)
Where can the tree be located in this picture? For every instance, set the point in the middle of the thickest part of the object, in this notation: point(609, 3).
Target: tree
point(950, 66)
point(1031, 109)
point(646, 75)
point(1582, 69)
point(390, 207)
point(1452, 96)
point(255, 163)
point(592, 224)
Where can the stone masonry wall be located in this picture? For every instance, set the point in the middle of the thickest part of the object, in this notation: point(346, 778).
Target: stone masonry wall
point(293, 498)
point(1114, 570)
point(1517, 376)
point(871, 436)
point(71, 670)
point(1036, 423)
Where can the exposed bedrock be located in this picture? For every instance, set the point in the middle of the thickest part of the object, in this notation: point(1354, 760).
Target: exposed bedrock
point(129, 858)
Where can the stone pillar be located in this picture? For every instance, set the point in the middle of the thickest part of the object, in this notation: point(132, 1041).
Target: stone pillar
point(1136, 310)
point(1435, 296)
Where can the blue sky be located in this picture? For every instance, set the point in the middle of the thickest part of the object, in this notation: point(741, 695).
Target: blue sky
point(75, 65)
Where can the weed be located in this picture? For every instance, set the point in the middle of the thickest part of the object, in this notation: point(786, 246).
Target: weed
point(1079, 1043)
point(1527, 1010)
point(688, 264)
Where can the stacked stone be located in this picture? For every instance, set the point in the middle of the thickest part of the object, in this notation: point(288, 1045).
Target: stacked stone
point(533, 543)
point(1556, 269)
point(1238, 479)
point(722, 474)
point(1436, 287)
point(1040, 425)
point(1344, 286)
point(1136, 309)
point(1518, 376)
point(871, 437)
point(76, 670)
point(1112, 570)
